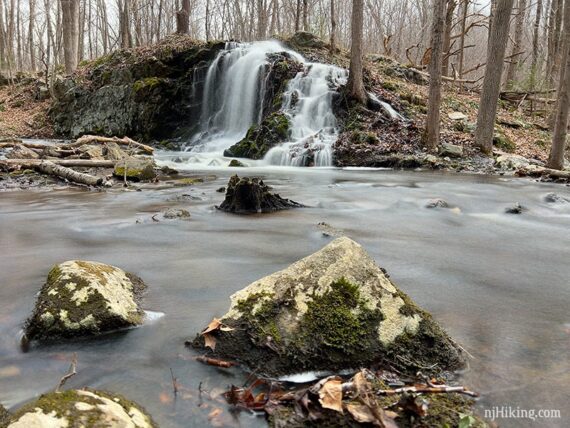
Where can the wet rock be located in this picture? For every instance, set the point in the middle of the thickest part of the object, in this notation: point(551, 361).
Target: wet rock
point(437, 203)
point(94, 152)
point(333, 310)
point(81, 408)
point(251, 195)
point(235, 163)
point(135, 169)
point(450, 150)
point(112, 151)
point(259, 139)
point(516, 208)
point(174, 213)
point(82, 298)
point(553, 198)
point(221, 190)
point(21, 152)
point(328, 230)
point(4, 415)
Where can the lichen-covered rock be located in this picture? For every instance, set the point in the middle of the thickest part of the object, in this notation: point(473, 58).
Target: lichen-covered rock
point(332, 310)
point(82, 298)
point(81, 408)
point(135, 169)
point(259, 139)
point(251, 195)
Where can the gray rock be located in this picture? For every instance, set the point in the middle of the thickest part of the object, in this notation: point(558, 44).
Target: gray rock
point(516, 208)
point(553, 198)
point(174, 213)
point(4, 415)
point(328, 230)
point(333, 310)
point(437, 203)
point(21, 152)
point(236, 163)
point(80, 408)
point(82, 298)
point(450, 150)
point(136, 169)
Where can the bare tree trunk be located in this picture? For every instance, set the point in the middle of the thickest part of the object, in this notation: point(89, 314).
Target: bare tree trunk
point(554, 24)
point(534, 64)
point(31, 47)
point(183, 18)
point(450, 11)
point(517, 42)
point(333, 28)
point(207, 22)
point(355, 78)
point(298, 16)
point(305, 15)
point(464, 9)
point(556, 158)
point(498, 35)
point(431, 134)
point(70, 24)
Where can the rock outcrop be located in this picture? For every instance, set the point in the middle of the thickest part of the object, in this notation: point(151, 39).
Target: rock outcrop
point(81, 408)
point(82, 298)
point(332, 310)
point(250, 195)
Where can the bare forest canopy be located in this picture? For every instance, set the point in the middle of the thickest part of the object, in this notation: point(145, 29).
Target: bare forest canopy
point(32, 31)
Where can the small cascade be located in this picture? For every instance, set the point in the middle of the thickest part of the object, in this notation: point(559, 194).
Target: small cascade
point(308, 102)
point(234, 91)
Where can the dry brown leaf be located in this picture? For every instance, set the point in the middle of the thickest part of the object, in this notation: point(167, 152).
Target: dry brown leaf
point(330, 395)
point(209, 341)
point(361, 413)
point(214, 325)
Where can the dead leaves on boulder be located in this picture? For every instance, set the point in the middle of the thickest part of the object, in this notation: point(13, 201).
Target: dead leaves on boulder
point(207, 333)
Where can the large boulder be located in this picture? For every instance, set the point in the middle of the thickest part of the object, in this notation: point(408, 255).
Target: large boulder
point(333, 310)
point(250, 195)
point(81, 408)
point(82, 298)
point(135, 169)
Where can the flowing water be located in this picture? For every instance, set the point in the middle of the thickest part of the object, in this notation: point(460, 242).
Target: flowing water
point(498, 283)
point(234, 91)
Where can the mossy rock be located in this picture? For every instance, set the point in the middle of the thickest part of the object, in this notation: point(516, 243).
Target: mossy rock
point(503, 142)
point(135, 169)
point(81, 408)
point(82, 298)
point(273, 130)
point(333, 310)
point(234, 163)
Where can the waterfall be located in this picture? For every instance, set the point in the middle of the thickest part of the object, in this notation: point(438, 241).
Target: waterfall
point(313, 126)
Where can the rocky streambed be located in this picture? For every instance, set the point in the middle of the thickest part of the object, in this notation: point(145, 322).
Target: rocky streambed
point(487, 301)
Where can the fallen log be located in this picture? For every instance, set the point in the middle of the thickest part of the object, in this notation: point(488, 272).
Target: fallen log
point(543, 172)
point(50, 168)
point(14, 143)
point(126, 141)
point(86, 163)
point(436, 389)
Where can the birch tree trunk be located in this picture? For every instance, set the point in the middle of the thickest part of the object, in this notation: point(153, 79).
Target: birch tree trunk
point(498, 34)
point(431, 134)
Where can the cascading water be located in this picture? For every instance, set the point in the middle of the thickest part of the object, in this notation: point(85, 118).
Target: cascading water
point(233, 98)
point(313, 127)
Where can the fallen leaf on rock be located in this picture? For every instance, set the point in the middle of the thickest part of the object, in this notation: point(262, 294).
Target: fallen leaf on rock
point(209, 341)
point(330, 395)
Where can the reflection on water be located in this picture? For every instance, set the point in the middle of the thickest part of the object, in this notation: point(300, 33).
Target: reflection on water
point(497, 282)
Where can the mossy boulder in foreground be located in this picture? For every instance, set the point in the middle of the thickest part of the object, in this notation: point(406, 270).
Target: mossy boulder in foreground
point(82, 298)
point(332, 310)
point(135, 169)
point(81, 408)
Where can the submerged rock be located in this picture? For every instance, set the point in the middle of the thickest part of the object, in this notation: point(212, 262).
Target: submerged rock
point(516, 208)
point(135, 169)
point(81, 408)
point(437, 203)
point(553, 198)
point(174, 213)
point(82, 298)
point(332, 310)
point(251, 195)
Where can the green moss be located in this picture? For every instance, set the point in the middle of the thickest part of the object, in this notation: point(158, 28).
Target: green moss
point(147, 83)
point(260, 318)
point(339, 321)
point(503, 142)
point(235, 163)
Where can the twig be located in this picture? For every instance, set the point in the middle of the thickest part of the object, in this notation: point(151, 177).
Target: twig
point(70, 373)
point(215, 362)
point(174, 383)
point(428, 389)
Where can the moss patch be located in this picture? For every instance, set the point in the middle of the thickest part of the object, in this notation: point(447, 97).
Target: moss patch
point(259, 139)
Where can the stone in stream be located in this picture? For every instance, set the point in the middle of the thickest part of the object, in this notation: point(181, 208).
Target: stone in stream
point(82, 298)
point(553, 198)
point(81, 408)
point(250, 195)
point(437, 203)
point(136, 169)
point(516, 208)
point(335, 309)
point(234, 163)
point(174, 213)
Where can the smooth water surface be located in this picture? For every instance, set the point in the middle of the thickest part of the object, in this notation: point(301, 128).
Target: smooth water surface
point(498, 283)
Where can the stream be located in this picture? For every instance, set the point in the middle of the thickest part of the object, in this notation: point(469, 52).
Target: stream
point(498, 283)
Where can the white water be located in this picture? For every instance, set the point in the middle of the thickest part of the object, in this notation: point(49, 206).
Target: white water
point(234, 90)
